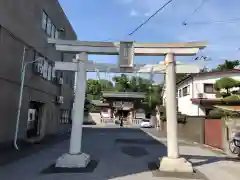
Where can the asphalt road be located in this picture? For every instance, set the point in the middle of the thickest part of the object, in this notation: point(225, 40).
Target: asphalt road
point(116, 153)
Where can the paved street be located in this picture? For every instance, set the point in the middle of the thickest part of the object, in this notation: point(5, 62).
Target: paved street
point(119, 153)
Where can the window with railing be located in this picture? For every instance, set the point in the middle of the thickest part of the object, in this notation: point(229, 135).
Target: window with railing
point(49, 27)
point(44, 67)
point(65, 116)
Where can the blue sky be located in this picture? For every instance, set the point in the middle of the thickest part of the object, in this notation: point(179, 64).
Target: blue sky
point(112, 20)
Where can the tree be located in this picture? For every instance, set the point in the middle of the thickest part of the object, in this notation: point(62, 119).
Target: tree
point(106, 85)
point(95, 87)
point(227, 65)
point(121, 83)
point(226, 83)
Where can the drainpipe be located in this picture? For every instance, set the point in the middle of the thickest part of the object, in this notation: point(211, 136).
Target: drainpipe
point(19, 107)
point(19, 104)
point(20, 101)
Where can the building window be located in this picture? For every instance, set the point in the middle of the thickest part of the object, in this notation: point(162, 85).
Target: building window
point(57, 34)
point(53, 74)
point(209, 88)
point(45, 69)
point(49, 26)
point(180, 93)
point(53, 31)
point(65, 116)
point(186, 91)
point(49, 72)
point(44, 21)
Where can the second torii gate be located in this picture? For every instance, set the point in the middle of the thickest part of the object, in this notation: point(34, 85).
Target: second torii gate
point(75, 157)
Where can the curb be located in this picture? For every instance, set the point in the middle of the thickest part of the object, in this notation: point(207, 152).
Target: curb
point(155, 137)
point(215, 150)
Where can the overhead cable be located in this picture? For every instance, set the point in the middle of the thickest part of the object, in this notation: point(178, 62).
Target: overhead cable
point(145, 22)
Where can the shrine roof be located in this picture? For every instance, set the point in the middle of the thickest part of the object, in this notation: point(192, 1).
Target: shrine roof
point(123, 95)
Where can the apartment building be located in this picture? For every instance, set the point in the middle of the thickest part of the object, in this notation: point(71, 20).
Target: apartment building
point(25, 27)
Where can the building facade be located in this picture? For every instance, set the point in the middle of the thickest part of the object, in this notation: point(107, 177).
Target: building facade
point(193, 89)
point(25, 27)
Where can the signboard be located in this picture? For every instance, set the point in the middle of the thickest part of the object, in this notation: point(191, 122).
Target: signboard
point(126, 54)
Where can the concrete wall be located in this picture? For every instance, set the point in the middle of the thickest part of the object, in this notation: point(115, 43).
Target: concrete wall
point(192, 130)
point(21, 24)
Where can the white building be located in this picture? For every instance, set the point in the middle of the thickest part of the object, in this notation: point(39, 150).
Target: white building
point(196, 92)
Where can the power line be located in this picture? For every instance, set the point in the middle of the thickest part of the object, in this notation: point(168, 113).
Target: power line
point(214, 22)
point(145, 22)
point(195, 11)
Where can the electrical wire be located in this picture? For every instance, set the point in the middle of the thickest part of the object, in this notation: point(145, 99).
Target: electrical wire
point(142, 24)
point(214, 22)
point(195, 11)
point(145, 22)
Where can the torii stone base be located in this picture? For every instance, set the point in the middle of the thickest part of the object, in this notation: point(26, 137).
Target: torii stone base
point(73, 161)
point(175, 165)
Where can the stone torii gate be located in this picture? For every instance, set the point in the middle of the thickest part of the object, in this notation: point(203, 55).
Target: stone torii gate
point(126, 51)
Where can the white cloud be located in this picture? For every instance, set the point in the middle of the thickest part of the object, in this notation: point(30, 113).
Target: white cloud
point(133, 12)
point(147, 14)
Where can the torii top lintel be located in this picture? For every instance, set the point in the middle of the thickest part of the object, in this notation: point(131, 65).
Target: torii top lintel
point(140, 49)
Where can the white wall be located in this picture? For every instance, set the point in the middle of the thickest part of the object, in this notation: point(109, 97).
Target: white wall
point(199, 82)
point(185, 104)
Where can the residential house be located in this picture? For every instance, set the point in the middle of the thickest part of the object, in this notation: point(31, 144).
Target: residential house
point(196, 93)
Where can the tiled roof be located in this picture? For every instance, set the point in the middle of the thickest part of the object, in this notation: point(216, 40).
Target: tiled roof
point(134, 95)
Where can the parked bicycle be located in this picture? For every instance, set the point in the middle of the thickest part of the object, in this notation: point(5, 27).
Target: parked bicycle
point(234, 144)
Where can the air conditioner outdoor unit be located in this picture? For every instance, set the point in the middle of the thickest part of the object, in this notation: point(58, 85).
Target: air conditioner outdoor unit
point(200, 95)
point(59, 99)
point(60, 81)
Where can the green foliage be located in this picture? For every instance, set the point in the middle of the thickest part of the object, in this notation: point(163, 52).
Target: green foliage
point(227, 65)
point(124, 83)
point(216, 113)
point(232, 98)
point(226, 83)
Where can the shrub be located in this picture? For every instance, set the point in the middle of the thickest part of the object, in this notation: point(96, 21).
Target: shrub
point(232, 98)
point(218, 113)
point(215, 114)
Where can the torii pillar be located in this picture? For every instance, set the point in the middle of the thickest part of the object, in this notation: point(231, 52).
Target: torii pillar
point(173, 162)
point(75, 158)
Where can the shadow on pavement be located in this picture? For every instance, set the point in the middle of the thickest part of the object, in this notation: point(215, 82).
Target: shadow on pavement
point(9, 155)
point(208, 159)
point(118, 152)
